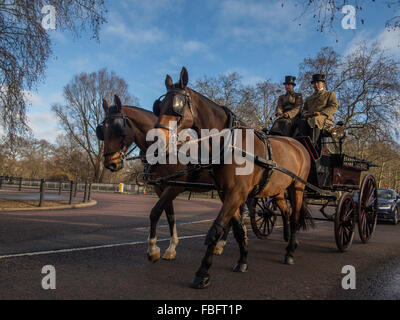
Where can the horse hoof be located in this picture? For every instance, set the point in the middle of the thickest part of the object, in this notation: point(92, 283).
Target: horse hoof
point(201, 282)
point(154, 257)
point(169, 255)
point(241, 267)
point(218, 251)
point(289, 261)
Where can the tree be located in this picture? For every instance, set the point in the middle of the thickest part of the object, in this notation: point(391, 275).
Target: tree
point(224, 89)
point(25, 47)
point(367, 85)
point(326, 11)
point(83, 111)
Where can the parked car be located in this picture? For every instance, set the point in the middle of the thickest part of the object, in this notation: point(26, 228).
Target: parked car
point(388, 205)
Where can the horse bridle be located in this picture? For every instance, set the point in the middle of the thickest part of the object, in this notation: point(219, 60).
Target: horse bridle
point(180, 100)
point(122, 128)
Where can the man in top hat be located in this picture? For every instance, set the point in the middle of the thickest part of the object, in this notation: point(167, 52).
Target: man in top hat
point(318, 110)
point(289, 106)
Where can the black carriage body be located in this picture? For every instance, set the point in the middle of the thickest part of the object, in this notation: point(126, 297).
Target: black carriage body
point(337, 172)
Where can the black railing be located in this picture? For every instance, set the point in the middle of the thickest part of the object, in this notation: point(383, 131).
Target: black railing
point(72, 188)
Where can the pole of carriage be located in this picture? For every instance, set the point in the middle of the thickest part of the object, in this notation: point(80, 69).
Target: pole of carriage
point(71, 191)
point(42, 182)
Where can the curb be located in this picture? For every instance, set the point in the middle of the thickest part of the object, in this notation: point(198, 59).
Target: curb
point(92, 203)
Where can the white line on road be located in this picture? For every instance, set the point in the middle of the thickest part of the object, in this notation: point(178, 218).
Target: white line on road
point(40, 253)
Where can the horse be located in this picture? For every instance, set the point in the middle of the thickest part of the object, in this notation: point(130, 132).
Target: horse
point(188, 109)
point(127, 125)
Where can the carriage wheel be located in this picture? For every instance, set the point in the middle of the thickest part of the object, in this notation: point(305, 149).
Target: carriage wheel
point(367, 208)
point(262, 217)
point(345, 221)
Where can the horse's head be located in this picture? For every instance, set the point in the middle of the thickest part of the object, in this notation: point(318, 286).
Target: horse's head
point(175, 107)
point(117, 133)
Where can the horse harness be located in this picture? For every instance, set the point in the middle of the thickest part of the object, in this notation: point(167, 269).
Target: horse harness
point(180, 100)
point(118, 120)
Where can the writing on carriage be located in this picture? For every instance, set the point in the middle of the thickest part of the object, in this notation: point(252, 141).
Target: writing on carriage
point(188, 148)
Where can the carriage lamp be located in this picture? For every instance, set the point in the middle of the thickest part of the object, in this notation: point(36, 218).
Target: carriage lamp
point(338, 133)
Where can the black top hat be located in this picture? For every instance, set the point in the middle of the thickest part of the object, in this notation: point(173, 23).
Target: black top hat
point(318, 77)
point(290, 80)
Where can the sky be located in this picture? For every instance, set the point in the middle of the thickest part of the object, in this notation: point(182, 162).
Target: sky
point(145, 40)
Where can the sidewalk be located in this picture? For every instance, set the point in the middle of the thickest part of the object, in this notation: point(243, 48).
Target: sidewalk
point(35, 196)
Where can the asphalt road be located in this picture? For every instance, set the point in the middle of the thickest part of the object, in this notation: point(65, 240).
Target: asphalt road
point(100, 253)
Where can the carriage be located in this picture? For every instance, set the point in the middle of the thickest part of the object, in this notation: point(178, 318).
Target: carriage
point(334, 181)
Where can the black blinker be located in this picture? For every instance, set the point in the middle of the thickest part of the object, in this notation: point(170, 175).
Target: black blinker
point(100, 132)
point(156, 107)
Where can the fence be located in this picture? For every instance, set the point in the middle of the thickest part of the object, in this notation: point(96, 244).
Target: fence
point(87, 188)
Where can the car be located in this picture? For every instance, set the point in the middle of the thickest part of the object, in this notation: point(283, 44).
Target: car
point(388, 205)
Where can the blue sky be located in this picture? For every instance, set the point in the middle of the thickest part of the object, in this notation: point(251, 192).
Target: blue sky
point(145, 40)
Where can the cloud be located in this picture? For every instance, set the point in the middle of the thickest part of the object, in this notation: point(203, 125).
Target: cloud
point(44, 126)
point(261, 21)
point(135, 35)
point(390, 41)
point(387, 40)
point(41, 119)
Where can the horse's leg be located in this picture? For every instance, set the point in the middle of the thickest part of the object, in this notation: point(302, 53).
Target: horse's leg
point(170, 253)
point(167, 195)
point(239, 231)
point(221, 243)
point(296, 197)
point(219, 248)
point(202, 279)
point(282, 205)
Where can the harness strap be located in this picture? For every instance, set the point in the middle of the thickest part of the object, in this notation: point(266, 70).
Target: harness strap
point(267, 172)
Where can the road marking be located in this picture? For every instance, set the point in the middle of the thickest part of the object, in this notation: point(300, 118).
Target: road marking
point(40, 253)
point(178, 224)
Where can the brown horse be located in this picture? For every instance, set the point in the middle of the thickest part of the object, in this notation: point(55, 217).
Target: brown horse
point(199, 113)
point(124, 126)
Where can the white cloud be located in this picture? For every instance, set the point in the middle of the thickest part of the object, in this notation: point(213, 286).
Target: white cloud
point(261, 21)
point(387, 40)
point(44, 125)
point(138, 36)
point(390, 41)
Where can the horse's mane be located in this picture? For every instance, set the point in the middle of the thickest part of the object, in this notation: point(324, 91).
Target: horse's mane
point(147, 112)
point(218, 105)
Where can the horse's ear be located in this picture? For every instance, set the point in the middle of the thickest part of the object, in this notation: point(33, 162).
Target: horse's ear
point(168, 82)
point(117, 102)
point(105, 105)
point(184, 78)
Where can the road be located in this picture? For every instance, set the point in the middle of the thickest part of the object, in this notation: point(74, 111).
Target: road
point(100, 253)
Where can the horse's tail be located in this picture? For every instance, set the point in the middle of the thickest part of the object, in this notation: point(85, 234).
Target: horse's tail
point(306, 220)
